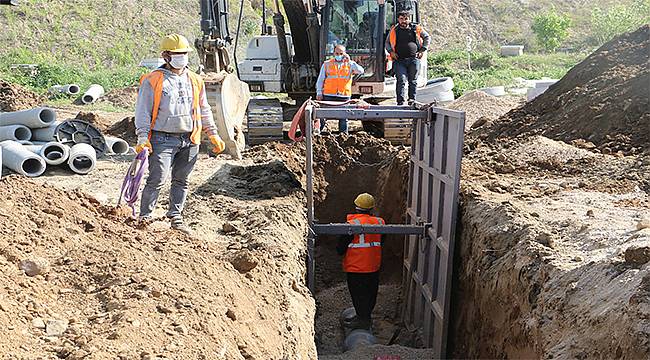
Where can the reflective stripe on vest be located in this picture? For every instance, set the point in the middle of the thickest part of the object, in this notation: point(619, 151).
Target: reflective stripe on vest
point(392, 37)
point(338, 78)
point(363, 254)
point(156, 79)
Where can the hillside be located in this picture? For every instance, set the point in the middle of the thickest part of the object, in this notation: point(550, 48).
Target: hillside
point(121, 32)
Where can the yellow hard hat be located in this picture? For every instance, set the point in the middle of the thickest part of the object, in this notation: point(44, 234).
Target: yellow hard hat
point(365, 201)
point(175, 43)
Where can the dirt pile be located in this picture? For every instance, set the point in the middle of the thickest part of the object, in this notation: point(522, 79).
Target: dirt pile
point(124, 98)
point(96, 119)
point(124, 129)
point(101, 287)
point(15, 97)
point(604, 100)
point(481, 108)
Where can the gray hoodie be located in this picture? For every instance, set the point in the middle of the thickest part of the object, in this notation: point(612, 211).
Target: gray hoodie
point(175, 110)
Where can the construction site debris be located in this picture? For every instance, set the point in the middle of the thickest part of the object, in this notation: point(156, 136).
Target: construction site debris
point(124, 129)
point(94, 92)
point(603, 100)
point(69, 89)
point(14, 97)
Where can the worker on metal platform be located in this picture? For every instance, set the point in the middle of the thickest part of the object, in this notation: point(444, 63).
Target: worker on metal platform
point(171, 110)
point(335, 81)
point(406, 44)
point(362, 261)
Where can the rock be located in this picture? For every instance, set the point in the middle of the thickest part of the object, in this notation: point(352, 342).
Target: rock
point(38, 323)
point(33, 267)
point(590, 213)
point(637, 255)
point(181, 329)
point(229, 228)
point(231, 314)
point(164, 309)
point(156, 293)
point(243, 261)
point(56, 327)
point(78, 355)
point(643, 224)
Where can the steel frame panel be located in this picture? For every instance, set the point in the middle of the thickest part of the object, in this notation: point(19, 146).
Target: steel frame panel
point(434, 179)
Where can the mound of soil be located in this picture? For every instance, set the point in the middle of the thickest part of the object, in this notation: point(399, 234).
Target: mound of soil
point(101, 123)
point(481, 108)
point(15, 97)
point(603, 100)
point(81, 281)
point(124, 129)
point(124, 98)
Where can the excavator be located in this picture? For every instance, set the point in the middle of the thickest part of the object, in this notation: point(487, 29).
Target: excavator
point(281, 62)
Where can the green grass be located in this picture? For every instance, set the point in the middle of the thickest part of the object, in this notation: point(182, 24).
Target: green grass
point(489, 69)
point(53, 71)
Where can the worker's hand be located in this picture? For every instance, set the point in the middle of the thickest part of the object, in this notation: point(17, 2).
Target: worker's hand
point(393, 55)
point(143, 145)
point(319, 97)
point(419, 55)
point(346, 57)
point(219, 145)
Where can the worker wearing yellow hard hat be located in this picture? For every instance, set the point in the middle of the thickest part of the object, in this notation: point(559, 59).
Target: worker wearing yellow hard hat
point(171, 111)
point(361, 262)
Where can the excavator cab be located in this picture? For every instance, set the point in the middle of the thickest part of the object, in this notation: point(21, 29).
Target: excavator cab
point(362, 27)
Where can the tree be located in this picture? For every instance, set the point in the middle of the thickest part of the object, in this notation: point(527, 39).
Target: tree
point(551, 29)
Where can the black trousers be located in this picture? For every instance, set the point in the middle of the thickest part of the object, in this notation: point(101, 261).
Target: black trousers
point(363, 289)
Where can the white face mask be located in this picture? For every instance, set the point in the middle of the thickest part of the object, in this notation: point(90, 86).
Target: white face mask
point(179, 61)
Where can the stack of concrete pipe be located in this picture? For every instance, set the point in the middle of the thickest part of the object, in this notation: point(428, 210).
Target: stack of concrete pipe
point(28, 144)
point(438, 90)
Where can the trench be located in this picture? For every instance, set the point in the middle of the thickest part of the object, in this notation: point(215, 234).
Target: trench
point(349, 166)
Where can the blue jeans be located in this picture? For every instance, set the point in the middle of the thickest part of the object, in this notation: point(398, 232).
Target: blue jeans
point(406, 69)
point(173, 152)
point(343, 123)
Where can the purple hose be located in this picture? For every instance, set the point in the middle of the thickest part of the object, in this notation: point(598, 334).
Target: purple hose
point(131, 184)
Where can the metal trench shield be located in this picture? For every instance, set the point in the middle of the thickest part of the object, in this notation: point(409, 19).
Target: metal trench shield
point(434, 176)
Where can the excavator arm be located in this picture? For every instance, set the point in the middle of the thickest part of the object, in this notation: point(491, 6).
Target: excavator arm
point(212, 46)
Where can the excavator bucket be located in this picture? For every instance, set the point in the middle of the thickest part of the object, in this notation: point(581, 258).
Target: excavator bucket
point(228, 96)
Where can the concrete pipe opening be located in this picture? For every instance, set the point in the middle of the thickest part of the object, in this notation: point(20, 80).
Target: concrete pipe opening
point(47, 115)
point(87, 99)
point(32, 167)
point(22, 134)
point(73, 89)
point(82, 164)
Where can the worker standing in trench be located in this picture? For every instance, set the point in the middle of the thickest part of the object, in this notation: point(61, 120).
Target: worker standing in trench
point(406, 44)
point(335, 81)
point(171, 110)
point(362, 261)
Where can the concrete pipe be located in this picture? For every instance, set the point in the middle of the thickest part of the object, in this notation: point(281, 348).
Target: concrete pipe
point(45, 134)
point(15, 133)
point(69, 89)
point(34, 118)
point(21, 160)
point(512, 50)
point(93, 93)
point(82, 158)
point(357, 338)
point(540, 84)
point(54, 153)
point(116, 145)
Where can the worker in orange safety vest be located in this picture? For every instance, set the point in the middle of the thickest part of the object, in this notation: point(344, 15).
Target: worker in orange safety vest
point(361, 262)
point(335, 81)
point(171, 111)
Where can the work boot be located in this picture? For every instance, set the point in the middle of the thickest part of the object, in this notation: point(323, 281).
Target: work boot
point(411, 102)
point(348, 322)
point(178, 224)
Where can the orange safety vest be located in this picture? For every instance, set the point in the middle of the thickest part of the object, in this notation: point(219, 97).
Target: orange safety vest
point(156, 78)
point(364, 252)
point(392, 37)
point(338, 79)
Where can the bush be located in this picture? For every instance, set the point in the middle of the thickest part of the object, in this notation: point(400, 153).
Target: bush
point(608, 23)
point(551, 29)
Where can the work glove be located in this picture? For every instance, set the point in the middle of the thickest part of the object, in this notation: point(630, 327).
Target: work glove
point(142, 144)
point(219, 145)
